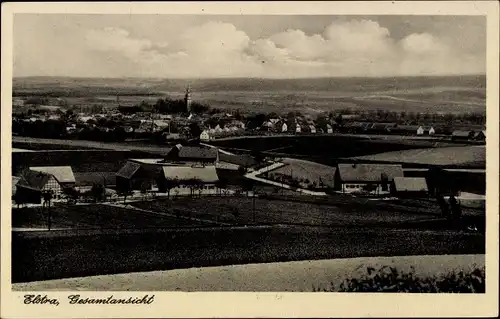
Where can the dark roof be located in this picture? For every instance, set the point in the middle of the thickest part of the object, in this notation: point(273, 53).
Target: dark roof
point(90, 178)
point(128, 170)
point(407, 127)
point(410, 184)
point(33, 180)
point(193, 152)
point(241, 160)
point(368, 172)
point(479, 134)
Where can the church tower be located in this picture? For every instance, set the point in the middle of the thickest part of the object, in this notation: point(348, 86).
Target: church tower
point(187, 99)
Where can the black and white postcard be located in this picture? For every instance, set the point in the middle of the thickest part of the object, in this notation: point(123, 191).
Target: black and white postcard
point(250, 159)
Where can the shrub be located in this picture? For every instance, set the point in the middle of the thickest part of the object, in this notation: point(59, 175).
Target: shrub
point(389, 279)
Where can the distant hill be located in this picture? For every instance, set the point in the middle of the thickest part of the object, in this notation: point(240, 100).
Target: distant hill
point(442, 93)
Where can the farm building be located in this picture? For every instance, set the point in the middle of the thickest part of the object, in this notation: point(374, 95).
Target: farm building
point(37, 180)
point(62, 175)
point(329, 129)
point(462, 135)
point(205, 136)
point(137, 175)
point(153, 174)
point(409, 187)
point(195, 154)
point(408, 130)
point(480, 136)
point(87, 179)
point(366, 177)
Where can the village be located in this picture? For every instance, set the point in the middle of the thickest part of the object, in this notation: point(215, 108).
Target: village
point(192, 121)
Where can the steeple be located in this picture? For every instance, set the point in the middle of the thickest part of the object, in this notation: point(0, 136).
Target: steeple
point(187, 99)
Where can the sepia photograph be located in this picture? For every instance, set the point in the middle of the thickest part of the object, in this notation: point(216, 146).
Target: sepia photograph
point(240, 152)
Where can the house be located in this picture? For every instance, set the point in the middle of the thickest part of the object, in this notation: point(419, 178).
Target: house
point(37, 180)
point(312, 129)
point(298, 129)
point(284, 128)
point(381, 128)
point(357, 127)
point(420, 130)
point(366, 177)
point(154, 126)
point(154, 174)
point(87, 179)
point(197, 154)
point(462, 135)
point(63, 176)
point(429, 130)
point(205, 136)
point(480, 136)
point(329, 129)
point(409, 187)
point(407, 129)
point(136, 175)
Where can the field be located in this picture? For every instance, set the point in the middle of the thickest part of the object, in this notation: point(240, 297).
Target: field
point(62, 254)
point(92, 216)
point(79, 160)
point(433, 156)
point(340, 211)
point(326, 149)
point(443, 94)
point(300, 169)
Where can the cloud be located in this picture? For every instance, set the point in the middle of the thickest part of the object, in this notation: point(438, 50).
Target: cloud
point(360, 47)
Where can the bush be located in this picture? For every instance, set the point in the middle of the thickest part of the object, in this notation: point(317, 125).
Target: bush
point(389, 279)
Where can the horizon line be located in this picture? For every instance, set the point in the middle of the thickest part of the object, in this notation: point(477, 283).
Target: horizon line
point(251, 78)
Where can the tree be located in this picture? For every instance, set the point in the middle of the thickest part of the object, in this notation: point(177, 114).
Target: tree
point(221, 184)
point(97, 191)
point(195, 130)
point(47, 198)
point(171, 183)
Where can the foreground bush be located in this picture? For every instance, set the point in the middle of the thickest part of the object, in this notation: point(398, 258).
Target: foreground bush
point(389, 279)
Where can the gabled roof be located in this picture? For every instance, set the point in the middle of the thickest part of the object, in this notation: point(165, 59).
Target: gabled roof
point(369, 172)
point(410, 184)
point(63, 174)
point(206, 174)
point(128, 170)
point(15, 179)
point(90, 178)
point(33, 180)
point(193, 152)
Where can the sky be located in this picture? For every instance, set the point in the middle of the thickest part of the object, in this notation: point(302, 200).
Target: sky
point(264, 46)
